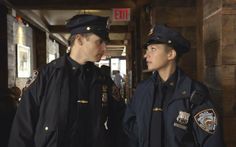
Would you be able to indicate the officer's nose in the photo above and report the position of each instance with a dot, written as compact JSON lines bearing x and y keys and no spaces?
{"x":146,"y":54}
{"x":103,"y":46}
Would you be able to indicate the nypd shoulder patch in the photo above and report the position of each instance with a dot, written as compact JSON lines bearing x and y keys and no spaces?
{"x":206,"y":120}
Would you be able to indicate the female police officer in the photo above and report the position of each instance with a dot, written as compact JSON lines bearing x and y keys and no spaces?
{"x":170,"y":109}
{"x":70,"y":100}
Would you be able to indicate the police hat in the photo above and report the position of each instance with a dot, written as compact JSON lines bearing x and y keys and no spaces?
{"x":162,"y":34}
{"x":85,"y":23}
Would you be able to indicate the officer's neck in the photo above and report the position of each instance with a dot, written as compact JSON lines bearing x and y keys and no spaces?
{"x":77,"y":56}
{"x":167,"y":71}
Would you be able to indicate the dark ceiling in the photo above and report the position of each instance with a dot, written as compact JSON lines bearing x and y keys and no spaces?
{"x":51,"y":15}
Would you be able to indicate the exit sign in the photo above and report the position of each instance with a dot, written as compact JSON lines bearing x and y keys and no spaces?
{"x":121,"y":14}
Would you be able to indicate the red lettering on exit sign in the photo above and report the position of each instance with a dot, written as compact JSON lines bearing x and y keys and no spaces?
{"x":121,"y":14}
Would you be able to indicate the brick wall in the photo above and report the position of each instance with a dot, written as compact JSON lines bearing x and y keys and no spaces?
{"x":18,"y":33}
{"x":11,"y":51}
{"x":219,"y":59}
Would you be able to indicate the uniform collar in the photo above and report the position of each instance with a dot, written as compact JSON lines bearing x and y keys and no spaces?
{"x":183,"y":85}
{"x":61,"y":62}
{"x":171,"y":81}
{"x":74,"y":65}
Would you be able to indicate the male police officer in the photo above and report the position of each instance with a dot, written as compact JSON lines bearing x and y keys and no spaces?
{"x":170,"y":109}
{"x":71,"y":103}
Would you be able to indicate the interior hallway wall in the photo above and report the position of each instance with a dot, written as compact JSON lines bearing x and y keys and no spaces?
{"x":218,"y":56}
{"x":22,"y":35}
{"x":179,"y":15}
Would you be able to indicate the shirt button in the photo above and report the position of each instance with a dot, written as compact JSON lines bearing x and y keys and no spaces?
{"x":46,"y":128}
{"x":73,"y":68}
{"x":183,"y":92}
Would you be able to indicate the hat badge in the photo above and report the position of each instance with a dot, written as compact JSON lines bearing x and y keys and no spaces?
{"x":88,"y":28}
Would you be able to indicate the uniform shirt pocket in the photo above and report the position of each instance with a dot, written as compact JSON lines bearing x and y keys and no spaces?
{"x":49,"y":135}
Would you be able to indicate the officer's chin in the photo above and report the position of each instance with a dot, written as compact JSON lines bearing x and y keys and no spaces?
{"x":97,"y":60}
{"x":150,"y":68}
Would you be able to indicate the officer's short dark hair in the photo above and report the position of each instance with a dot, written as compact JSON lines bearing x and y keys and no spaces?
{"x":73,"y":37}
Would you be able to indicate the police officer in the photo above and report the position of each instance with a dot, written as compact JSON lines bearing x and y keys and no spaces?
{"x":70,"y":103}
{"x":170,"y":109}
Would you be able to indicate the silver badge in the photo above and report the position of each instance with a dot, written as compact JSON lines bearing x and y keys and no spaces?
{"x":183,"y":118}
{"x":206,"y":120}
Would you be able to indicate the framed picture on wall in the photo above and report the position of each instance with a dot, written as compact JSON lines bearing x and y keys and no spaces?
{"x":23,"y":61}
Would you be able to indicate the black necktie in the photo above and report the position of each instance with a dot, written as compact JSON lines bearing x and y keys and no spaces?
{"x":157,"y":126}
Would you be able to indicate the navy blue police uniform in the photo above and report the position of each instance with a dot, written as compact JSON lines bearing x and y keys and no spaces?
{"x":70,"y":105}
{"x":175,"y":113}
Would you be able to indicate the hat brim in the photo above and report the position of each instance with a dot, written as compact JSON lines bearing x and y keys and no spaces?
{"x":103,"y":35}
{"x":149,"y":42}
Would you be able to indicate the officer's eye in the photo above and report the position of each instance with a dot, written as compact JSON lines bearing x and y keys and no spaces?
{"x":153,"y":49}
{"x":100,"y":41}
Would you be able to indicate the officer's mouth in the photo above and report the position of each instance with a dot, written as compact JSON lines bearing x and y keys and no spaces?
{"x":99,"y":55}
{"x":148,"y":62}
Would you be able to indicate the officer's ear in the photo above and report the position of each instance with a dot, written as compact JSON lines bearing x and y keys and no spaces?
{"x":79,"y":39}
{"x":172,"y":54}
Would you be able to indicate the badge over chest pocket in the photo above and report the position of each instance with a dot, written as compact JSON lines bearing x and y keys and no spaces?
{"x":183,"y":134}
